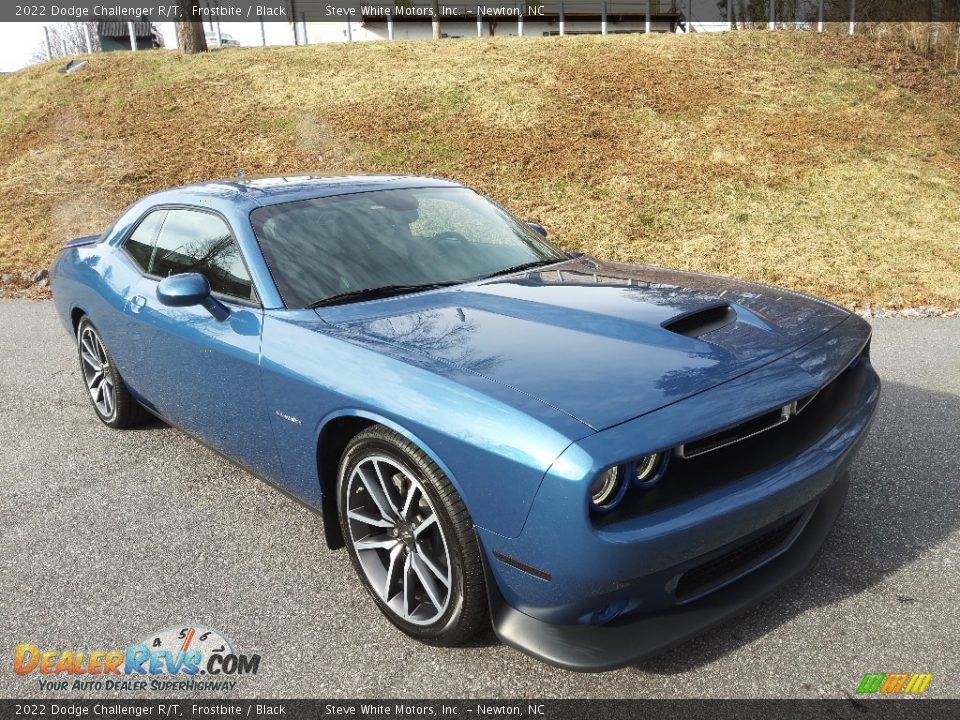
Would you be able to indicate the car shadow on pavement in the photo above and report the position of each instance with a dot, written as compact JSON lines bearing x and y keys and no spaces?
{"x":901,"y":504}
{"x":154,"y":423}
{"x":484,"y":639}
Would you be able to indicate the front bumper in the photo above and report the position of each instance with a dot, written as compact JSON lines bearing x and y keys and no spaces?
{"x":589,"y":597}
{"x":592,"y":648}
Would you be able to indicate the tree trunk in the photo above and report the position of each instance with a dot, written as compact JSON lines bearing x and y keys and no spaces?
{"x":936,"y":9}
{"x":190,"y":35}
{"x":956,"y":46}
{"x":436,"y":19}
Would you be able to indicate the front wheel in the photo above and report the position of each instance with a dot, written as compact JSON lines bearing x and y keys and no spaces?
{"x":411,"y":539}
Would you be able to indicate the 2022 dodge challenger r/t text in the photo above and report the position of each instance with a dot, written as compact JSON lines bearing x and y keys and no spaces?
{"x":600,"y":458}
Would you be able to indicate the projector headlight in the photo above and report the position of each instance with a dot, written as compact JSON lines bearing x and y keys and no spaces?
{"x":648,"y":469}
{"x":607,"y":489}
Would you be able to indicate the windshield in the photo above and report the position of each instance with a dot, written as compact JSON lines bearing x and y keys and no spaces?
{"x":327,"y":247}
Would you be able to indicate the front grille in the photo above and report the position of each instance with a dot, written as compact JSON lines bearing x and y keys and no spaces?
{"x":710,"y":575}
{"x":804,"y":401}
{"x":735,"y":434}
{"x":745,"y":430}
{"x":689,"y":477}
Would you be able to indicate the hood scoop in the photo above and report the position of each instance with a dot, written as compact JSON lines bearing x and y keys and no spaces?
{"x":702,"y":320}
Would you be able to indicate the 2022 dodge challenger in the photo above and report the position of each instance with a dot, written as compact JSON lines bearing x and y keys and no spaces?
{"x":600,"y":458}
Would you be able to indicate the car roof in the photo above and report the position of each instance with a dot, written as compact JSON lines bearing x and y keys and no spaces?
{"x":263,"y":190}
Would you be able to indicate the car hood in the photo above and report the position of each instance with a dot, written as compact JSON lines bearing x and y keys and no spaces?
{"x":601,"y":342}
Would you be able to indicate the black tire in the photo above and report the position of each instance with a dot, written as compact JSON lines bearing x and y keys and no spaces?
{"x":465,"y":612}
{"x":122,"y":411}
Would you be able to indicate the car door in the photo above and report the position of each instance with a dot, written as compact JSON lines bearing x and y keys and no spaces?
{"x":124,"y":274}
{"x":200,"y":373}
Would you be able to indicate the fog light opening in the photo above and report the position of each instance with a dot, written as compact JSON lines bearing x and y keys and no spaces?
{"x":607,"y":614}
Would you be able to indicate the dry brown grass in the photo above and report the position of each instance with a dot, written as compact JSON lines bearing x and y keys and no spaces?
{"x":826,"y":164}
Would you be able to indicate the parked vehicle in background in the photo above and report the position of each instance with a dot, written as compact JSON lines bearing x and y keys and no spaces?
{"x":226,"y":40}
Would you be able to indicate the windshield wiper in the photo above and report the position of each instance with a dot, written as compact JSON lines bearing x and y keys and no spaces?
{"x":519,"y":268}
{"x":375,"y":293}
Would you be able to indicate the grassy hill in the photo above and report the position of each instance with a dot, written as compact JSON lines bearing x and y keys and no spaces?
{"x":826,"y":164}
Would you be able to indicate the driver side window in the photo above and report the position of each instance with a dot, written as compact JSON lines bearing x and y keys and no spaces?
{"x":170,"y":242}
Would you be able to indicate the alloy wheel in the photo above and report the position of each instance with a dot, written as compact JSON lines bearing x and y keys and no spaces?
{"x":96,"y":365}
{"x":399,"y":540}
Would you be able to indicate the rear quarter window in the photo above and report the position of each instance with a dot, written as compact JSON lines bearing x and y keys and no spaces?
{"x":139,"y":245}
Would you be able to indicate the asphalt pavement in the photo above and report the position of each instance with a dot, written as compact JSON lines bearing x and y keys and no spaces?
{"x":107,"y":536}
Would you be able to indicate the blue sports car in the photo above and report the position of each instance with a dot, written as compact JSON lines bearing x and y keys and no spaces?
{"x":600,"y":459}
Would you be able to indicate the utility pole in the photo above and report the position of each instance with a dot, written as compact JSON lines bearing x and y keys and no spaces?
{"x":133,"y":36}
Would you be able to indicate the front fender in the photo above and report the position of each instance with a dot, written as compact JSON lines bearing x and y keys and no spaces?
{"x":494,"y":447}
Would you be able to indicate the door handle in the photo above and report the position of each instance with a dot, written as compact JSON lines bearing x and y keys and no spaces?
{"x":137,"y":302}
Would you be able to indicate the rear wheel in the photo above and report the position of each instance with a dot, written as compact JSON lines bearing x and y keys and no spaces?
{"x":411,"y":539}
{"x":109,"y":396}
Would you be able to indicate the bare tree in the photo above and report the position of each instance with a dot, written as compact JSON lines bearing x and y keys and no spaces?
{"x":69,"y":38}
{"x":190,"y":35}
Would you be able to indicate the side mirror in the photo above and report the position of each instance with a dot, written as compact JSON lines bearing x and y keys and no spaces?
{"x":537,"y":228}
{"x":188,"y":289}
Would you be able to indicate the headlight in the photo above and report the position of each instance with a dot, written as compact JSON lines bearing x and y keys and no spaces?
{"x":608,"y":489}
{"x":648,"y":469}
